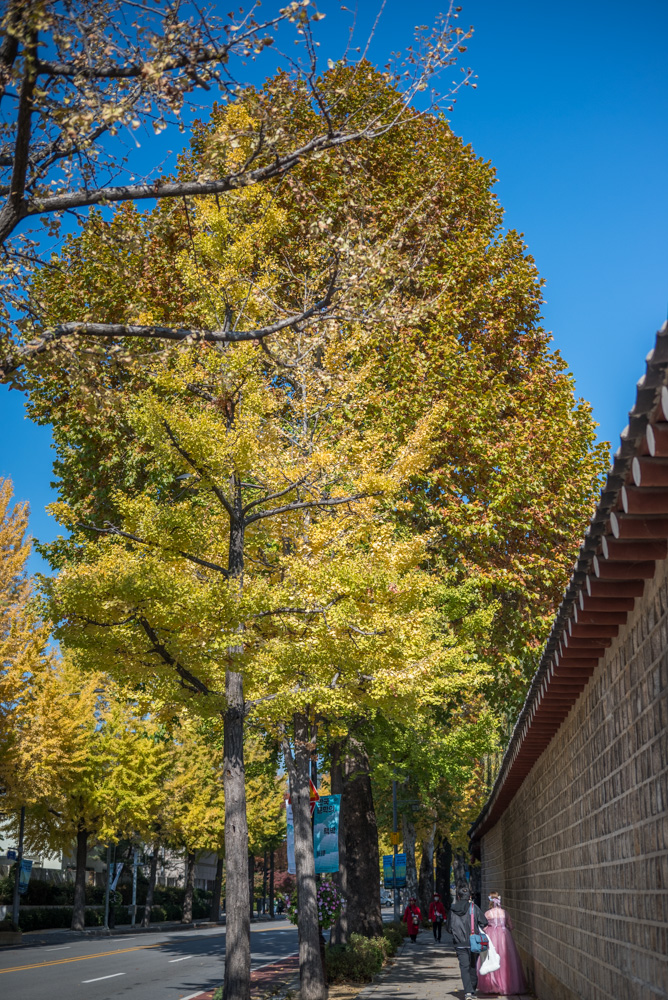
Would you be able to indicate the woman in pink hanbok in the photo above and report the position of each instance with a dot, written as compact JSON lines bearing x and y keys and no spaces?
{"x":509,"y":978}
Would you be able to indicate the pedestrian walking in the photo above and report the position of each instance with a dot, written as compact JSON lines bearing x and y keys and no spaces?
{"x":465,"y":919}
{"x":412,"y":918}
{"x":437,"y":915}
{"x":509,"y":977}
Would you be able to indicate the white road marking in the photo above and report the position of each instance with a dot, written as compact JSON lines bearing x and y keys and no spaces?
{"x":62,"y":947}
{"x":255,"y":968}
{"x":100,"y":978}
{"x":172,"y":960}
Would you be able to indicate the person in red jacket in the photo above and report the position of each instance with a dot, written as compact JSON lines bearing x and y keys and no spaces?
{"x":437,"y":916}
{"x":413,"y":918}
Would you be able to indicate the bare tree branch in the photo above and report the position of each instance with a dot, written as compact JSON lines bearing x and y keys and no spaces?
{"x":192,"y":682}
{"x":309,"y":503}
{"x":25,"y":352}
{"x":111,"y":529}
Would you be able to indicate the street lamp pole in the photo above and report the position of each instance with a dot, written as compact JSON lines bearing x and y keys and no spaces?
{"x":107,"y":888}
{"x":394,"y":849}
{"x":17,"y":873}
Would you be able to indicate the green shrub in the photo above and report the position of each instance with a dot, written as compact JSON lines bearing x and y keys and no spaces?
{"x":394,"y":934}
{"x":43,"y":919}
{"x":358,"y":961}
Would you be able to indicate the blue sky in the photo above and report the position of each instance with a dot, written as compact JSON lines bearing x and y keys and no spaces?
{"x":572,"y":109}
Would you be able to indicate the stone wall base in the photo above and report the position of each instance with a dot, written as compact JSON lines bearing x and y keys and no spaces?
{"x":541,"y":982}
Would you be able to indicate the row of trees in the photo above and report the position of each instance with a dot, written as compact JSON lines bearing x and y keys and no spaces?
{"x":91,"y":763}
{"x":338,"y":515}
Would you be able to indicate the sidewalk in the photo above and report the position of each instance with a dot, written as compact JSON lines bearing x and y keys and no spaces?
{"x":422,"y":971}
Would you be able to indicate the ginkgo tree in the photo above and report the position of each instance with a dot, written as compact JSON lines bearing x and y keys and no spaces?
{"x":279,"y":513}
{"x":85,"y":765}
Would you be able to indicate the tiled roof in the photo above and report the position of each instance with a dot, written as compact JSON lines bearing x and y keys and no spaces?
{"x":627,"y":535}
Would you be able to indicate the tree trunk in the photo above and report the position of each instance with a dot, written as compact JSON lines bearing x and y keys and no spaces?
{"x":264,"y":885}
{"x":408,"y":828}
{"x":187,"y":917}
{"x":217,"y":891}
{"x":361,"y":844}
{"x":237,"y":926}
{"x":426,"y":880}
{"x":79,"y":908}
{"x":443,"y":865}
{"x":460,"y":868}
{"x":251,"y":883}
{"x":339,"y":932}
{"x":152,"y":877}
{"x":475,"y":884}
{"x":311,"y":978}
{"x":271,"y":885}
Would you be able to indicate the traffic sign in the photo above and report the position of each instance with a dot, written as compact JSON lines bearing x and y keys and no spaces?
{"x":11,"y":854}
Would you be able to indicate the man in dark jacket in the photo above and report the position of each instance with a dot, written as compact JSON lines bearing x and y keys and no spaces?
{"x":459,"y":925}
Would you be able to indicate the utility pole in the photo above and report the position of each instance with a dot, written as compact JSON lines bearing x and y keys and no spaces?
{"x":394,"y":849}
{"x":107,"y":888}
{"x":17,"y":874}
{"x":135,"y":859}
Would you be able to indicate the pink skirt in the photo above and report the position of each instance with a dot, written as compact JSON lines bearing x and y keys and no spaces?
{"x":509,"y":978}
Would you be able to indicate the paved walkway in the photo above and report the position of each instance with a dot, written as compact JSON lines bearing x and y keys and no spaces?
{"x":422,"y":971}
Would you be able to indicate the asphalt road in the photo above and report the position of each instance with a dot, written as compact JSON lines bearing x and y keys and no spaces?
{"x":171,"y":965}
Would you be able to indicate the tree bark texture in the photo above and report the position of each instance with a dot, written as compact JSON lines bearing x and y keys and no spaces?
{"x":311,"y":978}
{"x":217,"y":890}
{"x":152,"y":877}
{"x":271,"y":885}
{"x":426,"y":879}
{"x":443,"y":866}
{"x":237,"y":926}
{"x":460,"y":868}
{"x":251,"y":883}
{"x":187,"y":916}
{"x":79,"y":907}
{"x":339,"y":932}
{"x":408,"y":829}
{"x":361,"y":844}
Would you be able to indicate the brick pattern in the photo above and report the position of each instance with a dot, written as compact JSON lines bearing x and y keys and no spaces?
{"x":581,"y":853}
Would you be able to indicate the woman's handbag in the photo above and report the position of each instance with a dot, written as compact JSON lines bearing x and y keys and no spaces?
{"x":491,"y":962}
{"x":478,"y":942}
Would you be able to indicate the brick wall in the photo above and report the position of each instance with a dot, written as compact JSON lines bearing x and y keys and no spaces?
{"x":581,"y":853}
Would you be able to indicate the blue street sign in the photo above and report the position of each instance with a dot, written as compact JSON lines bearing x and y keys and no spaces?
{"x":400,"y":870}
{"x":11,"y":854}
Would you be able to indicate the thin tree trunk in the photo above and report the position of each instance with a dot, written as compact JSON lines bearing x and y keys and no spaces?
{"x":271,"y":885}
{"x":311,"y":977}
{"x":251,"y":884}
{"x":187,"y":917}
{"x":408,"y":828}
{"x":426,"y":880}
{"x":361,"y":844}
{"x":264,"y":885}
{"x":237,"y":923}
{"x":460,"y":868}
{"x":79,"y":908}
{"x":339,"y":932}
{"x":217,"y":890}
{"x":152,"y":877}
{"x":443,"y":865}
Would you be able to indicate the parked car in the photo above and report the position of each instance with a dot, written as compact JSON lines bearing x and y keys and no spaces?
{"x":386,"y":897}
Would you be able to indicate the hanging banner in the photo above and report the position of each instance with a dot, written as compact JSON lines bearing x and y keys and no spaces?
{"x":119,"y":869}
{"x":24,"y":875}
{"x":400,"y":870}
{"x":291,"y":840}
{"x":326,"y":834}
